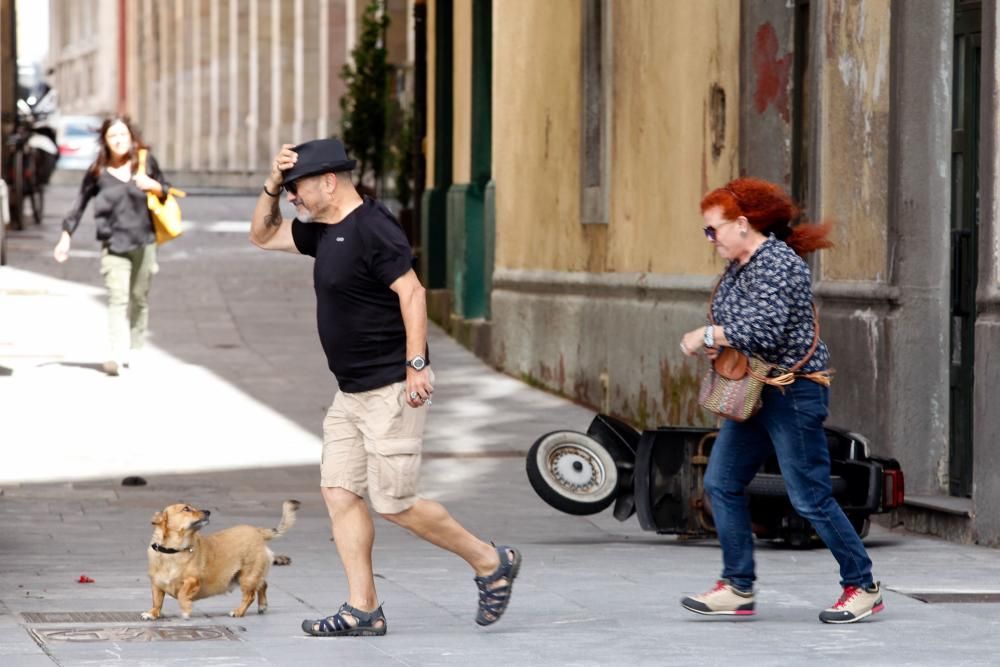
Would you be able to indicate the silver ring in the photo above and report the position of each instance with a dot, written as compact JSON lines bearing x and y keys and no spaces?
{"x":413,"y":395}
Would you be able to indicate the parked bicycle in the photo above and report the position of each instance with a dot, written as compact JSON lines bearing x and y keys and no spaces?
{"x":31,"y":158}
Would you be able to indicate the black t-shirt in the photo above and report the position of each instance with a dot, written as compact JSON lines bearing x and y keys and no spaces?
{"x":360,"y":323}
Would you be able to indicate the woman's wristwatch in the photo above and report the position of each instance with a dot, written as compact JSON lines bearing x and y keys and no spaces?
{"x":709,"y":338}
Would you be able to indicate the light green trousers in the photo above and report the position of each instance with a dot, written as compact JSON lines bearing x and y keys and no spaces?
{"x":128,"y":277}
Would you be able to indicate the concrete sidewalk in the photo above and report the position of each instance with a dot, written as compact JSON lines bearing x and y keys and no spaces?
{"x":235,"y":358}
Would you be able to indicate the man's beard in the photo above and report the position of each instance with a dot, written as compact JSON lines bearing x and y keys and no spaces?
{"x":303,"y":214}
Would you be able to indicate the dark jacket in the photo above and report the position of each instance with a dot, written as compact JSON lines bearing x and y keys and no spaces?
{"x":120,"y":210}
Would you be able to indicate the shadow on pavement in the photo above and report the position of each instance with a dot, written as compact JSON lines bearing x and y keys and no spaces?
{"x":248,"y":317}
{"x":88,"y":365}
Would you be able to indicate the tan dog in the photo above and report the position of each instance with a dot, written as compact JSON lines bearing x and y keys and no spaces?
{"x":188,"y":567}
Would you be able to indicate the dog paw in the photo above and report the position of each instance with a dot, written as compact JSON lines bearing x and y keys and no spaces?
{"x":185,"y":615}
{"x":282,"y":559}
{"x":261,"y":610}
{"x":147,"y":616}
{"x":235,"y":613}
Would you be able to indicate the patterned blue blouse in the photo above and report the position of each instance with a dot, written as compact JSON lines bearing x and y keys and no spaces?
{"x":765,"y":306}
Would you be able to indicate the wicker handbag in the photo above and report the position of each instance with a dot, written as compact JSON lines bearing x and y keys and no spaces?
{"x":732,"y":386}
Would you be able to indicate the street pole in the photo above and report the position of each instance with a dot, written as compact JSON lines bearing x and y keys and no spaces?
{"x":8,"y":106}
{"x":8,"y":75}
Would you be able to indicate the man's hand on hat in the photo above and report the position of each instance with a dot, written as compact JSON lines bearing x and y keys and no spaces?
{"x":283,"y":161}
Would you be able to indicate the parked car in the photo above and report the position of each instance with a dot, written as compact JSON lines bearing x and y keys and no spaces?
{"x":78,"y":141}
{"x":659,"y":474}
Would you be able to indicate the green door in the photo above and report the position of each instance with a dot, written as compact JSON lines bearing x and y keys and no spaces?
{"x":964,"y":239}
{"x":477,"y":265}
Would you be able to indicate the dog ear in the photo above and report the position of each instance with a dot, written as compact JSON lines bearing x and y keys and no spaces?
{"x":159,"y":519}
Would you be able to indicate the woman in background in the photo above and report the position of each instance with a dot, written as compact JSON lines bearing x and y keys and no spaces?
{"x":125,"y":230}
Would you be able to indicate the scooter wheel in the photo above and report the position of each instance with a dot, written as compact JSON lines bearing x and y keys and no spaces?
{"x":572,"y":472}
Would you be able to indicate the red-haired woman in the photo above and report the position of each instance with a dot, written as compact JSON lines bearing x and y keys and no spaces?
{"x":763,"y":308}
{"x":125,"y":230}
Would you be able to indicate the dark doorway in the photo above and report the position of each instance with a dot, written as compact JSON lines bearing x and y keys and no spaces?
{"x":964,"y":238}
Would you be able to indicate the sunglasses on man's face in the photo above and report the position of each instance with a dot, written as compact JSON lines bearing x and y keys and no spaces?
{"x":293,"y":187}
{"x":711,"y":233}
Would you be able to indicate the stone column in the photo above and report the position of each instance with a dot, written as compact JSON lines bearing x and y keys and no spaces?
{"x":986,"y":420}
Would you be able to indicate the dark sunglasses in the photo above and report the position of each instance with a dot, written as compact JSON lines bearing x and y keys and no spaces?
{"x":711,"y":233}
{"x":293,"y":187}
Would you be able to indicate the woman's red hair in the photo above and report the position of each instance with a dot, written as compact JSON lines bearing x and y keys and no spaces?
{"x":771,"y":211}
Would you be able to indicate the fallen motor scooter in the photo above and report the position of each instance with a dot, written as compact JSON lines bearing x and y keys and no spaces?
{"x":659,"y":474}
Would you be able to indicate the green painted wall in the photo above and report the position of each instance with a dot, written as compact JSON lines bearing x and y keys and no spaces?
{"x":434,"y":207}
{"x":489,"y":242}
{"x":474,"y":297}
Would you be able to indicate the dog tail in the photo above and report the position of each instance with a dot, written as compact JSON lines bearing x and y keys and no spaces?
{"x":288,"y":510}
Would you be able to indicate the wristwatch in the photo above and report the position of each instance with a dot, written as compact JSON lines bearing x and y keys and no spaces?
{"x":709,"y":339}
{"x":417,"y":363}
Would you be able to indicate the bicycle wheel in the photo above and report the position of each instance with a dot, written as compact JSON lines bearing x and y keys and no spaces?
{"x":17,"y":192}
{"x":38,"y":203}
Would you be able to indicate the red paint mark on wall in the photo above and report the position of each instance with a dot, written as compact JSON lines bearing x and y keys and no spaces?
{"x":772,"y":72}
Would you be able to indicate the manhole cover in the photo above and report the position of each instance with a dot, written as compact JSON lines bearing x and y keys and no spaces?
{"x":132,"y":633}
{"x":81,"y":617}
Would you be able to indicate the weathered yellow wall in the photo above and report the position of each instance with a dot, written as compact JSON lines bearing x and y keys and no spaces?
{"x":536,"y":128}
{"x":667,"y":56}
{"x":854,"y":137}
{"x":462,"y":92}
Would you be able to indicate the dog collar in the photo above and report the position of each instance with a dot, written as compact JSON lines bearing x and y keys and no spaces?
{"x":167,"y":550}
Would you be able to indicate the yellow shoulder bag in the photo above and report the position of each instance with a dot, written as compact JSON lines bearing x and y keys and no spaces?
{"x":166,"y":214}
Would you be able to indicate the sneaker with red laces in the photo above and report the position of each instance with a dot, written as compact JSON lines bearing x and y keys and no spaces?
{"x":724,"y":599}
{"x":854,"y":604}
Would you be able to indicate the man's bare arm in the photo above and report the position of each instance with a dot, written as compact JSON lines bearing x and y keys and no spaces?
{"x":268,"y":230}
{"x":413,"y":307}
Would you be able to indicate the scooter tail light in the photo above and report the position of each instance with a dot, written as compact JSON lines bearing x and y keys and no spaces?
{"x":893,"y":489}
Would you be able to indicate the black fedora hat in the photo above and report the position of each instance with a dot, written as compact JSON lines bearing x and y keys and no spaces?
{"x":319,"y":156}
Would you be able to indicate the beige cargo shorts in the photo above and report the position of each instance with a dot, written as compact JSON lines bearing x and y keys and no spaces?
{"x":372,"y":442}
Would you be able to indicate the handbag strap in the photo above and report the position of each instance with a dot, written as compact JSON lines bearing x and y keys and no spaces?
{"x":142,"y":169}
{"x":812,"y":348}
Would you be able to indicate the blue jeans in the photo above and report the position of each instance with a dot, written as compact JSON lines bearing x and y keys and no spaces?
{"x":790,"y":425}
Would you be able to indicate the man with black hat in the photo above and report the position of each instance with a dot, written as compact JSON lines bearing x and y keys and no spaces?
{"x":372,"y":317}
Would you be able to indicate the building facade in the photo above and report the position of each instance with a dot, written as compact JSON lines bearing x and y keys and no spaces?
{"x":85,"y":57}
{"x":568,"y":252}
{"x":216,"y":85}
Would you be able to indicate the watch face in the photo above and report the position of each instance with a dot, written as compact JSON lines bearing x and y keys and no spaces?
{"x":417,"y":363}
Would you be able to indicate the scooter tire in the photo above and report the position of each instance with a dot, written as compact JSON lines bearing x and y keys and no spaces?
{"x":572,"y":472}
